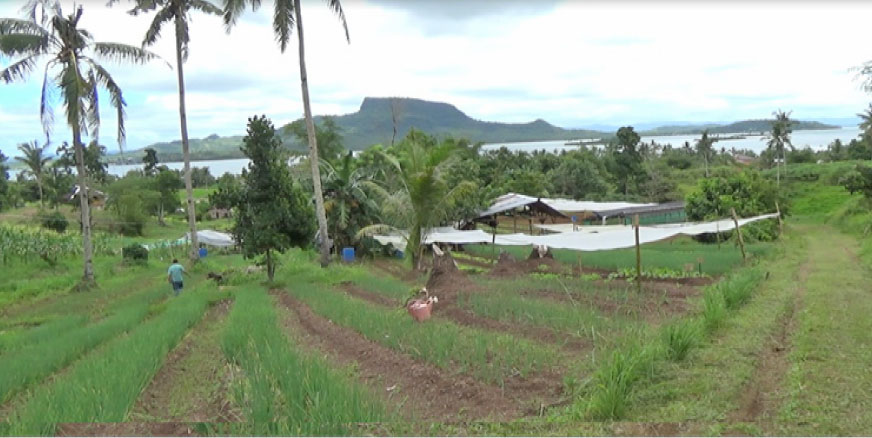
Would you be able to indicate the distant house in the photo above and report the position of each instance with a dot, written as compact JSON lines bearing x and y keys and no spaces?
{"x":96,"y":198}
{"x":219,"y":213}
{"x":744,"y":159}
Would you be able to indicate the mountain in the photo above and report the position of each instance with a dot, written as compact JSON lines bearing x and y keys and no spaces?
{"x":373,"y":124}
{"x":741,"y":127}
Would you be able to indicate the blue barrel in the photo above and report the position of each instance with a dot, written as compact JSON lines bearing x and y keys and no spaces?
{"x":399,"y":254}
{"x":348,"y":254}
{"x":203,"y":252}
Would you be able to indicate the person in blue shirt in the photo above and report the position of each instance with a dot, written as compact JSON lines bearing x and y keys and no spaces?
{"x":174,"y":276}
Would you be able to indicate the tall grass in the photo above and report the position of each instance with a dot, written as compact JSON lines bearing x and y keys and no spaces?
{"x":489,"y":356}
{"x":287,"y":393}
{"x":679,"y":338}
{"x":714,"y":309}
{"x":103,"y":387}
{"x":60,"y":344}
{"x":615,"y":380}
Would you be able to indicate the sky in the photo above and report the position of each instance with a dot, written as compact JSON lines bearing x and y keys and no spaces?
{"x":571,"y":63}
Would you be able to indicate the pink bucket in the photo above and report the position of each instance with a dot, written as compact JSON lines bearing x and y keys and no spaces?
{"x":420,"y":309}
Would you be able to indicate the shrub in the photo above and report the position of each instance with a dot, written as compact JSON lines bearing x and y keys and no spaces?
{"x":135,"y":253}
{"x":54,"y":221}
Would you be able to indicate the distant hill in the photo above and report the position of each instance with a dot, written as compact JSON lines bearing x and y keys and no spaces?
{"x":742,"y":127}
{"x":373,"y":124}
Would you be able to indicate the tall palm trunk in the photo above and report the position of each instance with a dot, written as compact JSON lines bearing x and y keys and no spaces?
{"x":313,"y":144}
{"x":183,"y":118}
{"x":39,"y":185}
{"x":87,"y":249}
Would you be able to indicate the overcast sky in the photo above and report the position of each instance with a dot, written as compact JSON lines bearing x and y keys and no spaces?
{"x":572,"y":63}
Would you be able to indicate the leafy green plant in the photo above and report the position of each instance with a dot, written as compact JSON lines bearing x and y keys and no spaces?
{"x":714,"y":309}
{"x":135,"y":253}
{"x":614,"y":382}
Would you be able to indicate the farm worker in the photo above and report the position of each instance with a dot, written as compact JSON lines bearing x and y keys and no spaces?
{"x":174,"y":276}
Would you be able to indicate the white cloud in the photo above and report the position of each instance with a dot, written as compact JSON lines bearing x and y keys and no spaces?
{"x":571,"y":63}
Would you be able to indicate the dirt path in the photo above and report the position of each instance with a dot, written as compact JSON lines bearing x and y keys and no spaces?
{"x":762,"y":395}
{"x":194,"y":383}
{"x":421,"y":390}
{"x":828,"y":389}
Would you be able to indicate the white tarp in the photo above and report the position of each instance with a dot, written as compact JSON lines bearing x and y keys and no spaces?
{"x":572,"y":206}
{"x":566,"y":228}
{"x":614,"y":238}
{"x":511,"y":201}
{"x":213,"y":238}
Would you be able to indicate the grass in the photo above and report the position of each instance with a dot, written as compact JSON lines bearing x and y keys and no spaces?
{"x":675,"y":254}
{"x":286,"y":392}
{"x":103,"y":387}
{"x":679,"y":338}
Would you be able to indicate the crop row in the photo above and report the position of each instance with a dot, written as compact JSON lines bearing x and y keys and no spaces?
{"x":489,"y":356}
{"x":102,"y":387}
{"x":286,"y":392}
{"x":58,"y":344}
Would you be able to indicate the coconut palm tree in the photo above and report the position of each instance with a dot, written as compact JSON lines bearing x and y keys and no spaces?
{"x":704,"y":148}
{"x":423,"y":199}
{"x":73,"y":70}
{"x":32,"y":156}
{"x":288,"y":16}
{"x":778,"y":139}
{"x":178,"y":12}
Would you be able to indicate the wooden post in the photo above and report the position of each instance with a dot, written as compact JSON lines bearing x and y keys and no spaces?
{"x":514,"y":222}
{"x":494,"y":245}
{"x":530,"y":219}
{"x":739,"y":232}
{"x":780,"y":223}
{"x":638,"y":256}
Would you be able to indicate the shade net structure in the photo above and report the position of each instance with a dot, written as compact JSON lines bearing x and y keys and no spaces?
{"x":611,"y":238}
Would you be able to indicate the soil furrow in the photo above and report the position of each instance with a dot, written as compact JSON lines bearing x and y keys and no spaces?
{"x":419,"y":389}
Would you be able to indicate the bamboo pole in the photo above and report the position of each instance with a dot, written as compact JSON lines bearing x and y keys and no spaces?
{"x":780,"y":223}
{"x":494,"y":245}
{"x":638,"y":255}
{"x":739,"y":232}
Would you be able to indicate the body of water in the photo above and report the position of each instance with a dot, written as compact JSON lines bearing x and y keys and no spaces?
{"x":816,"y":139}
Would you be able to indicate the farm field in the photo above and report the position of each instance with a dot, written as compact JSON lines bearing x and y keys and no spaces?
{"x":543,"y":346}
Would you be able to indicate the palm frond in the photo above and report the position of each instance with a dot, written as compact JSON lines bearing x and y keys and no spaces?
{"x":163,"y":16}
{"x":19,"y":70}
{"x":46,"y":113}
{"x":284,"y":22}
{"x":92,"y":109}
{"x":10,"y":26}
{"x":116,"y":97}
{"x":21,"y":44}
{"x":73,"y":91}
{"x":204,"y":6}
{"x":45,"y":8}
{"x":336,"y":7}
{"x":123,"y":53}
{"x":372,"y":230}
{"x":233,"y":9}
